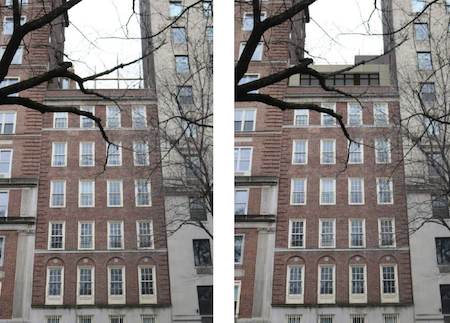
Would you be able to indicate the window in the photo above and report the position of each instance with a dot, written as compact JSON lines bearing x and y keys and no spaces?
{"x":85,"y":287}
{"x":327,"y":318}
{"x":427,"y":92}
{"x":146,"y":318}
{"x":237,"y":296}
{"x":207,"y":8}
{"x":115,"y":235}
{"x":439,"y":206}
{"x":382,"y":151}
{"x":7,"y":81}
{"x":139,"y":117}
{"x":2,"y":251}
{"x":354,"y":115}
{"x":8,"y":25}
{"x":387,"y":232}
{"x":85,"y":121}
{"x":58,"y":194}
{"x":355,"y":191}
{"x":293,"y":318}
{"x":114,"y":154}
{"x":244,"y":120}
{"x":55,"y":286}
{"x":116,"y":286}
{"x":87,"y":154}
{"x":381,"y":114}
{"x":144,"y":234}
{"x":176,"y":8}
{"x":257,"y":54}
{"x":7,"y":122}
{"x":209,"y":34}
{"x":85,"y":319}
{"x":300,"y":152}
{"x":357,"y":233}
{"x":384,"y":191}
{"x":247,"y":78}
{"x":113,"y":117}
{"x":87,"y":196}
{"x":117,"y":319}
{"x":298,"y":195}
{"x":190,"y":130}
{"x":193,"y":166}
{"x":240,"y":202}
{"x":182,"y":64}
{"x":327,"y":149}
{"x":424,"y":61}
{"x":115,"y":193}
{"x":56,"y":239}
{"x":421,"y":31}
{"x":197,"y":209}
{"x":86,"y":238}
{"x":53,"y":319}
{"x":435,"y":166}
{"x":59,"y":154}
{"x":140,"y":152}
{"x":142,"y":191}
{"x":294,"y":284}
{"x":202,"y":253}
{"x":327,"y":191}
{"x":5,"y":161}
{"x":327,"y":237}
{"x":358,"y":285}
{"x":243,"y":159}
{"x":432,"y":126}
{"x":60,"y":120}
{"x":238,"y":249}
{"x":179,"y":35}
{"x":328,"y":120}
{"x":17,"y":58}
{"x":390,"y":318}
{"x":4,"y":198}
{"x":22,"y":2}
{"x":417,"y":6}
{"x":443,"y":251}
{"x":445,"y":298}
{"x":356,"y":152}
{"x":301,"y":117}
{"x":389,"y":285}
{"x":205,"y":300}
{"x":358,"y":318}
{"x":185,"y":95}
{"x":248,"y":20}
{"x":297,"y":233}
{"x":326,"y":284}
{"x":147,"y":284}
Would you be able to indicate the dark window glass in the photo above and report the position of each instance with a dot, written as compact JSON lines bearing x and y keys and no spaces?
{"x":443,"y":251}
{"x":205,"y":300}
{"x":440,"y":206}
{"x":427,"y":92}
{"x":202,"y":253}
{"x":197,"y":209}
{"x":445,"y":298}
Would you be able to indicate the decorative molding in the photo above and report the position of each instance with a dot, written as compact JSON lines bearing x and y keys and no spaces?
{"x":265,"y":200}
{"x":25,"y":203}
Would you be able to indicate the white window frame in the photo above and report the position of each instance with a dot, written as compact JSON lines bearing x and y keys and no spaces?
{"x":350,"y":191}
{"x":147,"y":155}
{"x":263,"y":17}
{"x":350,"y":233}
{"x":144,"y":117}
{"x":321,"y":191}
{"x":320,"y":233}
{"x":394,"y":236}
{"x":244,"y":113}
{"x":291,"y":221}
{"x":391,"y":189}
{"x":305,"y":180}
{"x":3,"y":118}
{"x":81,"y":153}
{"x":304,"y":112}
{"x":79,"y":235}
{"x":237,"y":283}
{"x":21,"y":2}
{"x":51,"y":299}
{"x":151,"y":234}
{"x":295,"y":299}
{"x":326,"y":298}
{"x":121,"y":192}
{"x":18,"y":55}
{"x":244,"y":172}
{"x":294,"y":152}
{"x":377,"y":151}
{"x":149,"y":189}
{"x":7,"y":81}
{"x":330,"y":106}
{"x":242,"y":248}
{"x":118,"y":144}
{"x":66,"y":117}
{"x":51,"y":194}
{"x":389,"y":297}
{"x":386,"y":113}
{"x":6,"y":205}
{"x":86,"y":109}
{"x":147,"y":299}
{"x":117,"y":299}
{"x":255,"y":58}
{"x":248,"y":75}
{"x":86,"y":299}
{"x":391,"y":315}
{"x":359,"y":142}
{"x":22,"y":18}
{"x":53,"y":154}
{"x":360,"y":114}
{"x":321,"y":151}
{"x":357,"y":298}
{"x":248,"y":196}
{"x":63,"y":235}
{"x":118,"y":117}
{"x":122,"y":240}
{"x":7,"y":175}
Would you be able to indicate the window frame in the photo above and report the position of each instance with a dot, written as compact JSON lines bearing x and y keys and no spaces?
{"x":295,"y":298}
{"x":239,"y":149}
{"x":358,"y":316}
{"x":53,"y":317}
{"x":79,"y":235}
{"x":149,"y":192}
{"x":246,"y":204}
{"x":2,"y":252}
{"x":79,"y":317}
{"x":144,"y":117}
{"x":416,"y":29}
{"x":108,"y":109}
{"x":243,"y":120}
{"x":146,"y":152}
{"x":7,"y":202}
{"x":117,"y":144}
{"x":254,"y":58}
{"x":375,"y":114}
{"x":80,"y":205}
{"x":263,"y":16}
{"x":150,"y":222}
{"x":147,"y":299}
{"x":63,"y":236}
{"x":416,"y":2}
{"x":8,"y":174}
{"x":360,"y":143}
{"x":377,"y":151}
{"x":321,"y":191}
{"x":350,"y":233}
{"x":360,"y":114}
{"x":394,"y":236}
{"x":389,"y":297}
{"x":85,"y":299}
{"x":122,"y":238}
{"x":237,"y":283}
{"x":326,"y":298}
{"x":391,"y":315}
{"x":296,"y":114}
{"x":322,"y":141}
{"x":17,"y":56}
{"x":391,"y":190}
{"x":108,"y":181}
{"x":52,"y":299}
{"x":424,"y":61}
{"x":294,"y":152}
{"x":303,"y":234}
{"x":305,"y":180}
{"x":321,"y":221}
{"x":176,"y":5}
{"x":324,"y":116}
{"x":24,"y":18}
{"x":173,"y":35}
{"x":149,"y":316}
{"x":66,"y":118}
{"x":257,"y":76}
{"x":82,"y":118}
{"x":197,"y":256}
{"x":51,"y":193}
{"x":80,"y":162}
{"x":241,"y":262}
{"x":3,"y":117}
{"x":179,"y":66}
{"x":350,"y":191}
{"x":361,"y":297}
{"x":325,"y":316}
{"x":114,"y":299}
